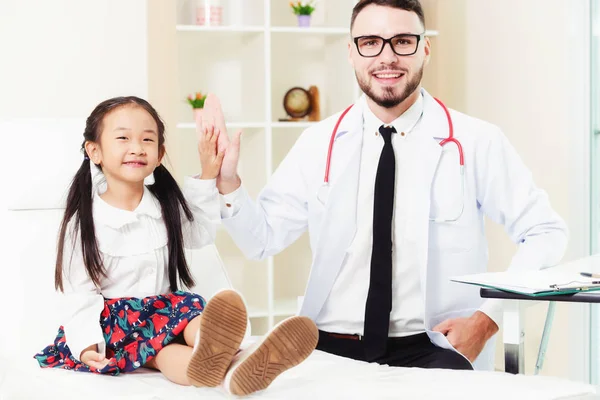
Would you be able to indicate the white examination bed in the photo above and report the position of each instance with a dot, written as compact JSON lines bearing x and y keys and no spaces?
{"x":321,"y":376}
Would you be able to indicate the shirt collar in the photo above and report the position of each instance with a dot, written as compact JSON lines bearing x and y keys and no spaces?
{"x":114,"y":217}
{"x":404,"y":123}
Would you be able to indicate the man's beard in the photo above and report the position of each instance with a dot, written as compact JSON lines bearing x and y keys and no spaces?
{"x":389,"y":99}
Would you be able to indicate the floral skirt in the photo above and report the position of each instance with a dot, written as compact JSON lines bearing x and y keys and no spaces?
{"x":135,"y":330}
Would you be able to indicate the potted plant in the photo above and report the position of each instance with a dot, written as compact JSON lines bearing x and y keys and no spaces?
{"x":196,"y":101}
{"x":303,"y":9}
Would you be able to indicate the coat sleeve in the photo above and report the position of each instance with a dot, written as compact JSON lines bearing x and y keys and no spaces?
{"x":507,"y":195}
{"x":81,"y":303}
{"x":203,"y":198}
{"x":280,"y":214}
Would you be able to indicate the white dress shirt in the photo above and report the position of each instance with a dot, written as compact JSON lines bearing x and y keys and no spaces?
{"x":133,"y":247}
{"x":344,"y":309}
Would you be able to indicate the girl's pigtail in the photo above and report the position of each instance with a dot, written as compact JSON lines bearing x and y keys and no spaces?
{"x":79,"y":207}
{"x":172,"y":202}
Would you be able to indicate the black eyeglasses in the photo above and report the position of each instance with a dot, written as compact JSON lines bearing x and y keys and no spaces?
{"x":405,"y":44}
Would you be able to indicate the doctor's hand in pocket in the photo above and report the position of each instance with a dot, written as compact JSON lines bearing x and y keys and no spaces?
{"x":211,"y":116}
{"x":468,"y":335}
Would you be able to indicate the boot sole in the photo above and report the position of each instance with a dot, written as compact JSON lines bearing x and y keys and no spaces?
{"x":222,"y":329}
{"x":286,"y":346}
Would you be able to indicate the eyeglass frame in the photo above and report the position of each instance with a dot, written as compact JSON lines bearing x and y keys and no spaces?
{"x":419,"y":37}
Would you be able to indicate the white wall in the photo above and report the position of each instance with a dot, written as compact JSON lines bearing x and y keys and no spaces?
{"x":524,"y":65}
{"x":62,"y":57}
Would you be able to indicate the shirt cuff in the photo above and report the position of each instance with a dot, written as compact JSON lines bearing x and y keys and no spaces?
{"x":230,"y":203}
{"x":202,"y":187}
{"x":493,"y":308}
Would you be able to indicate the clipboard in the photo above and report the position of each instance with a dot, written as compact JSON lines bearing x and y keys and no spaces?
{"x":552,"y":290}
{"x":532,"y":283}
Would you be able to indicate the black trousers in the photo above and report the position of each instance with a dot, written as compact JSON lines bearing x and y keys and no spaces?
{"x":409,"y":351}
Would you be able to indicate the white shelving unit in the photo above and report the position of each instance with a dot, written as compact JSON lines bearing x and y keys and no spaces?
{"x":250,"y":61}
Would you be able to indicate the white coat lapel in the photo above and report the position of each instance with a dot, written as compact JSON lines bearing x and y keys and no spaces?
{"x":339,"y":217}
{"x":339,"y":221}
{"x":424,"y":159}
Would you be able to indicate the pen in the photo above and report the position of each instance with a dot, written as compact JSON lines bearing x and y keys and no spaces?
{"x":590,"y":275}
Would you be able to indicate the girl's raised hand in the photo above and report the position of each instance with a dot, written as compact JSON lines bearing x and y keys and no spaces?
{"x":210,"y":157}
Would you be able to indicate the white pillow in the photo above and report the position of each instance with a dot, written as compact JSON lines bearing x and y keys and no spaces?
{"x":27,"y":282}
{"x":43,"y":155}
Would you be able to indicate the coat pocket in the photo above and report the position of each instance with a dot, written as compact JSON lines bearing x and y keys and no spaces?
{"x":452,"y":237}
{"x":441,"y":317}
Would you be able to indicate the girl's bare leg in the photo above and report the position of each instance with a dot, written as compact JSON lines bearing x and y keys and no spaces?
{"x":190,"y":331}
{"x":172,"y":361}
{"x":224,"y":327}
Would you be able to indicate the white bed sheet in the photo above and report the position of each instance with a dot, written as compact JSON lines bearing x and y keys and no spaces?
{"x":321,"y":376}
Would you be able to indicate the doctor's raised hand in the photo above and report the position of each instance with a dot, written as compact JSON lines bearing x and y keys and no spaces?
{"x":209,"y":118}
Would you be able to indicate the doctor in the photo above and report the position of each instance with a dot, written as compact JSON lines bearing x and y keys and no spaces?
{"x":391,"y":211}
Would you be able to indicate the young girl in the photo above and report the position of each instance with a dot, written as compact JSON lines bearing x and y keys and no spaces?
{"x":121,"y":262}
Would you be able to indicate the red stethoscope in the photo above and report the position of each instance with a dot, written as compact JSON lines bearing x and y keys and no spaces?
{"x":449,"y":139}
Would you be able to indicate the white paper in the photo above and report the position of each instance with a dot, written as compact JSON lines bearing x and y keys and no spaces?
{"x":531,"y":282}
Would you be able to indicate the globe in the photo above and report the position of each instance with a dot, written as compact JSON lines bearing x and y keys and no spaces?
{"x":297,"y":102}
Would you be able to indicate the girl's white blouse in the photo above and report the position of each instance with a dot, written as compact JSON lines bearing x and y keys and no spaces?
{"x":133,"y":247}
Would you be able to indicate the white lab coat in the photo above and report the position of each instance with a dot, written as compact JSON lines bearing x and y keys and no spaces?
{"x":497,"y":184}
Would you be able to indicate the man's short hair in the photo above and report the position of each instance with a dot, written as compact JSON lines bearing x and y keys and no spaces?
{"x":408,"y":5}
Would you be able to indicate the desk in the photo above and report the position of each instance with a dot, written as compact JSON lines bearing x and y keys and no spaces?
{"x":513,"y":333}
{"x":589,"y":297}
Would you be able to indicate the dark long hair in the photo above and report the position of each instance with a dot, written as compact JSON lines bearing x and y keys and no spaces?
{"x":79,"y":205}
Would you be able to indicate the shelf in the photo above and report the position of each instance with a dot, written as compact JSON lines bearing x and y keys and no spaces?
{"x":292,"y":124}
{"x":253,"y":125}
{"x":239,"y":125}
{"x":326,"y":30}
{"x":285,"y":307}
{"x":224,"y":29}
{"x":323,"y":30}
{"x":256,"y":312}
{"x":311,"y":30}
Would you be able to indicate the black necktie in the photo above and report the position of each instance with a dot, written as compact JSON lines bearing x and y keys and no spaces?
{"x":379,"y":299}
